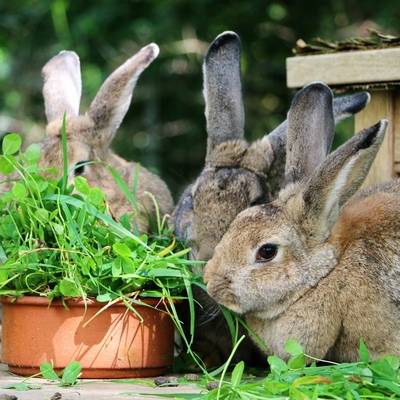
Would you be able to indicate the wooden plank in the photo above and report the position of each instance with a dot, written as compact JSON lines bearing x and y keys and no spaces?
{"x":355,"y":67}
{"x":90,"y":389}
{"x":381,"y":106}
{"x":396,"y":126}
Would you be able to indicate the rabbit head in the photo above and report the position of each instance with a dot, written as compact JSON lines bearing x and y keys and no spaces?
{"x":89,"y":135}
{"x":237,"y":174}
{"x":273,"y":254}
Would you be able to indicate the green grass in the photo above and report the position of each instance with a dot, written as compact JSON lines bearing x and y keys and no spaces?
{"x":295,"y":379}
{"x":59,"y":240}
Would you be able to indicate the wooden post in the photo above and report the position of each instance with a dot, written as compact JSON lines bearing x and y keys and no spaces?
{"x":382,"y":105}
{"x":369,"y":68}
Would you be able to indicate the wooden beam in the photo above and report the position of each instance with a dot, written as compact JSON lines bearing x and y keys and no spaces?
{"x":396,"y":127}
{"x":354,"y":67}
{"x":382,"y":105}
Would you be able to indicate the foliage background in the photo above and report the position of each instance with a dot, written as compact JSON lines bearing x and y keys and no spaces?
{"x":165,"y":127}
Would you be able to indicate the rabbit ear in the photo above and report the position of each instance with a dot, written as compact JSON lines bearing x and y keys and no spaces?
{"x":223,"y":90}
{"x":310,"y":131}
{"x":339,"y":177}
{"x":62,"y":85}
{"x":343,"y":107}
{"x":272,"y":147}
{"x":114,"y":97}
{"x":346,"y":106}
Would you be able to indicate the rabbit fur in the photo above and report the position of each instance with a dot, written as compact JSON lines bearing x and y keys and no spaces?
{"x":236,"y":175}
{"x":318,"y":264}
{"x":90,"y":135}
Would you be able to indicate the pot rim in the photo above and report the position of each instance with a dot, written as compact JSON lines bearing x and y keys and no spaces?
{"x":75,"y":301}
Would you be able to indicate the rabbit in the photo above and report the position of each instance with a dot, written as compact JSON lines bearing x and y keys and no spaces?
{"x":90,"y":135}
{"x":236,"y":176}
{"x":321,"y":263}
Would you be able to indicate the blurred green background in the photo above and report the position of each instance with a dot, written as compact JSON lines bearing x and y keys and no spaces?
{"x":165,"y":128}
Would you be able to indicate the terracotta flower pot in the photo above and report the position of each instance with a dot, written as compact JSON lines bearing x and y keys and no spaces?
{"x":115,"y":344}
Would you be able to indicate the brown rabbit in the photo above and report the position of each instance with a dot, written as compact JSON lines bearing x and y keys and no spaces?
{"x":318,"y":265}
{"x":90,"y":135}
{"x":236,"y":176}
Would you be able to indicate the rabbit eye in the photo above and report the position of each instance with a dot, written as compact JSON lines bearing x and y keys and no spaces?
{"x":266,"y":252}
{"x":79,"y":168}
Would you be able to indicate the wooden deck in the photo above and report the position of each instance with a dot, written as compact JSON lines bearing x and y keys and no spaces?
{"x":87,"y":389}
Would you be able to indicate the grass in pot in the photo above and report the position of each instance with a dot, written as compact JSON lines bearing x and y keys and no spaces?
{"x":78,"y":285}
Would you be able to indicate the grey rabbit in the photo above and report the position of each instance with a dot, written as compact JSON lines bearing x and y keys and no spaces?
{"x":236,"y":175}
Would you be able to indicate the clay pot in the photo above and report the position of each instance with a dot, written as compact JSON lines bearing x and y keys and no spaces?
{"x":115,"y":344}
